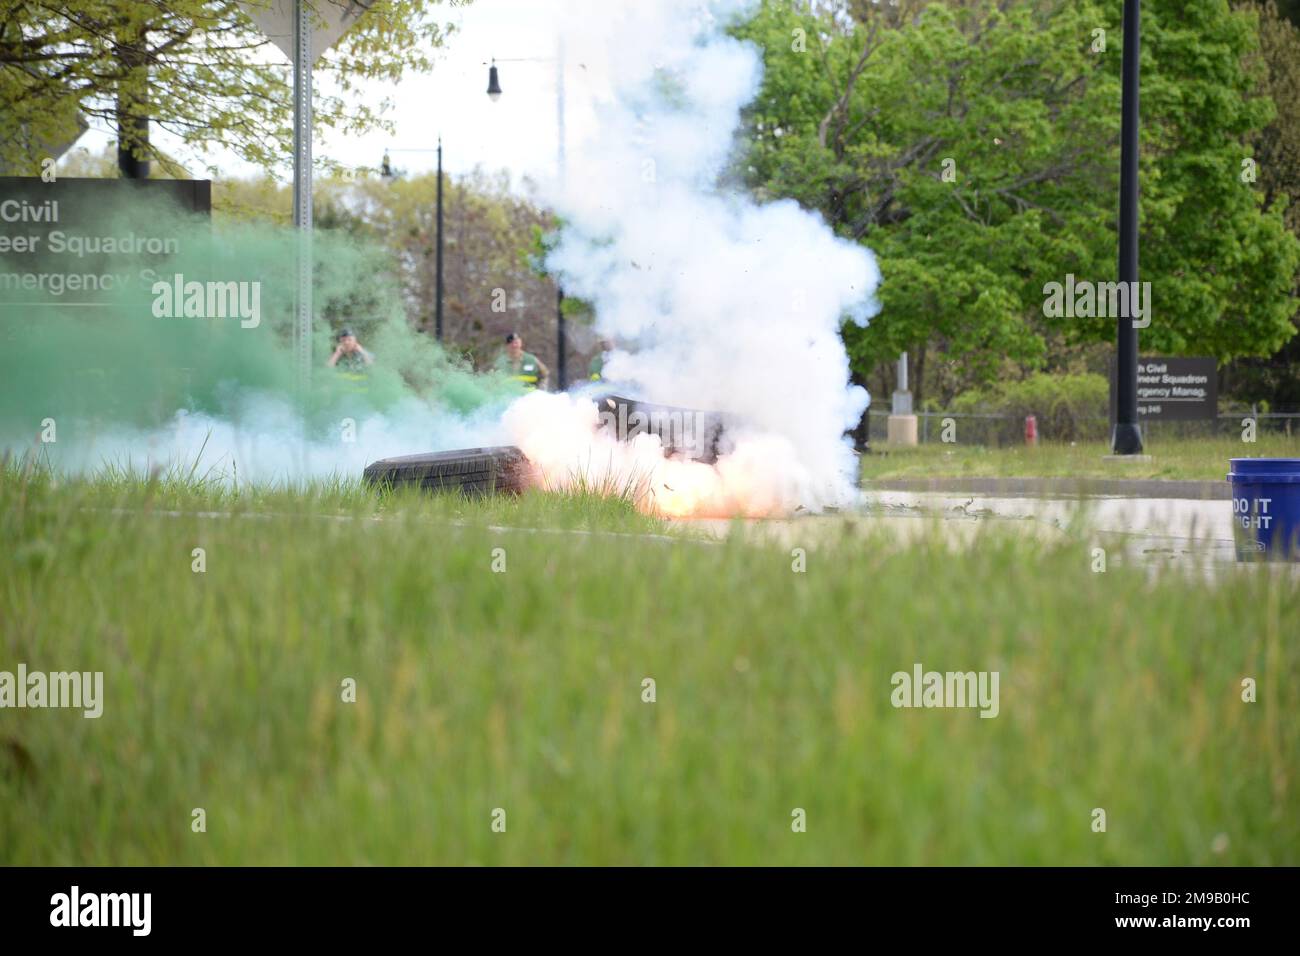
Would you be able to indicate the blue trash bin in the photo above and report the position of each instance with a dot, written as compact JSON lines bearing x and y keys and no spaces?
{"x":1266,"y":508}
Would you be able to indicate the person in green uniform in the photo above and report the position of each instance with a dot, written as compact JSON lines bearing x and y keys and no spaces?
{"x":596,"y":370}
{"x":351,"y":359}
{"x":523,"y":367}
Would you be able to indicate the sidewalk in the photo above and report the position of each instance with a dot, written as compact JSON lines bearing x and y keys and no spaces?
{"x":1059,"y":487}
{"x":1186,"y":518}
{"x":1140,"y":532}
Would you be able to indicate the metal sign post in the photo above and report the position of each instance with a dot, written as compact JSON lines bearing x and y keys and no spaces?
{"x":303,"y":30}
{"x":302,"y":191}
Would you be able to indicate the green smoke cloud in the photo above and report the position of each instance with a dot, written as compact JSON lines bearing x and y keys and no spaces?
{"x":93,"y":336}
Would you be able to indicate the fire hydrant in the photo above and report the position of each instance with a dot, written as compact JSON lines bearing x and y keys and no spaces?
{"x":1031,"y":430}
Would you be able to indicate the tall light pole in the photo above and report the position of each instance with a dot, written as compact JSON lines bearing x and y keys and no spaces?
{"x":1126,"y":437}
{"x":437,"y":307}
{"x":561,"y":330}
{"x":387,"y":172}
{"x":494,"y":93}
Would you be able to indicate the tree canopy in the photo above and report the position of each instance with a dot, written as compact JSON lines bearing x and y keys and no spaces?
{"x":974,"y":147}
{"x":198,"y":69}
{"x":492,"y":280}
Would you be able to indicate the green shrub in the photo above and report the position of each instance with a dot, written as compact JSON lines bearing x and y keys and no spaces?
{"x":1068,"y":407}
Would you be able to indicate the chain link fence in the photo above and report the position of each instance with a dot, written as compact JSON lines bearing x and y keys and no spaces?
{"x":997,"y":430}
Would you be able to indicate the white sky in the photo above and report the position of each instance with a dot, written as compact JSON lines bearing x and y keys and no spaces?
{"x":518,"y":132}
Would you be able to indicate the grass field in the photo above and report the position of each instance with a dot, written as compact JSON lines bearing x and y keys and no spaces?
{"x":1182,"y":458}
{"x":523,"y":690}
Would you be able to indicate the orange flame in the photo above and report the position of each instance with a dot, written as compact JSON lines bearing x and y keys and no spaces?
{"x":559,"y":435}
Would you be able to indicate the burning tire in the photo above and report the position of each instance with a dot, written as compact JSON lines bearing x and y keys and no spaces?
{"x":471,"y":471}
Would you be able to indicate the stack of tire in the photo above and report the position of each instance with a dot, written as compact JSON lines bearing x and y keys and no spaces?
{"x":471,"y":471}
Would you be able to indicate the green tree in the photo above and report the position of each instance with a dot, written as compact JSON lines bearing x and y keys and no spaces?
{"x":1276,"y":379}
{"x":974,"y":147}
{"x":198,"y":69}
{"x":1290,"y":9}
{"x":492,"y":283}
{"x":1221,"y":264}
{"x":1277,"y":145}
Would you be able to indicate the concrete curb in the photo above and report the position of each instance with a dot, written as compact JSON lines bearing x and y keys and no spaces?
{"x":1059,"y":487}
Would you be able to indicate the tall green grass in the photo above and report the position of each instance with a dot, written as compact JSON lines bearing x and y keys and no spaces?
{"x":522,"y":690}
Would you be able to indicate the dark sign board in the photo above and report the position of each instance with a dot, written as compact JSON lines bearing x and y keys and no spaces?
{"x":77,"y":242}
{"x":1174,"y":389}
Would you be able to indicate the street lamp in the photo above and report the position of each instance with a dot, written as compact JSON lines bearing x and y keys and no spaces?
{"x":494,"y":94}
{"x":386,"y":170}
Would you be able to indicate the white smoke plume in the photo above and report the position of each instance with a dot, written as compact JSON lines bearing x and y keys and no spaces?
{"x":260,"y":440}
{"x":722,"y":303}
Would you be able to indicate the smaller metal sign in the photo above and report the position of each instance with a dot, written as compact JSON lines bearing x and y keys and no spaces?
{"x":329,"y":20}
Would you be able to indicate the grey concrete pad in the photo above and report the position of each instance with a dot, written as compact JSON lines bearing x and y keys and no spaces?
{"x":1147,"y":534}
{"x":1060,"y":487}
